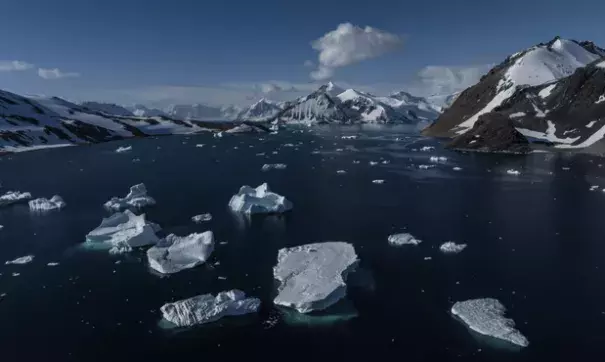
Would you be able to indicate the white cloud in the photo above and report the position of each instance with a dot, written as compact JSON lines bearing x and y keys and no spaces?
{"x":441,"y":80}
{"x":55,"y":73}
{"x":349,"y":44}
{"x":14,"y":65}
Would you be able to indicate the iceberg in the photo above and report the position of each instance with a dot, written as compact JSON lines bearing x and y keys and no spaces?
{"x":427,"y":148}
{"x":176,"y":253}
{"x":313,"y":277}
{"x":137,"y":197}
{"x":378,"y":182}
{"x":451,"y":247}
{"x":438,"y":159}
{"x":259,"y":201}
{"x":124,"y":149}
{"x":123,"y":231}
{"x":275,"y":166}
{"x":55,"y":203}
{"x":513,"y":172}
{"x":198,"y":219}
{"x":13,"y":197}
{"x":486,"y":316}
{"x":403,"y":239}
{"x":22,"y":260}
{"x":206,"y":308}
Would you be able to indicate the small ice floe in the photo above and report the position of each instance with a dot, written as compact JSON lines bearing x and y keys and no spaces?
{"x":22,"y":260}
{"x":135,"y":160}
{"x":403,"y":239}
{"x":348,"y":137}
{"x":13,"y":197}
{"x":260,"y":154}
{"x":288,"y":145}
{"x":259,"y":200}
{"x":386,"y":162}
{"x":513,"y":172}
{"x":52,"y":263}
{"x":1,"y":227}
{"x":55,"y":203}
{"x":438,"y":159}
{"x":428,"y":258}
{"x":594,"y":187}
{"x":373,"y":163}
{"x":487,"y":316}
{"x":124,"y":149}
{"x":200,"y":145}
{"x":313,"y":277}
{"x":427,"y":148}
{"x":137,"y":197}
{"x":15,"y":274}
{"x":356,"y":162}
{"x":379,"y":182}
{"x":207,"y":308}
{"x":274,"y":166}
{"x":341,"y":172}
{"x":457,"y":168}
{"x":425,"y":167}
{"x":565,"y":168}
{"x":176,"y":253}
{"x":123,"y":231}
{"x":218,"y":135}
{"x":198,"y":219}
{"x":451,"y":247}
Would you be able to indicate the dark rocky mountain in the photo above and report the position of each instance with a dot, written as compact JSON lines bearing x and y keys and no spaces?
{"x":495,"y":133}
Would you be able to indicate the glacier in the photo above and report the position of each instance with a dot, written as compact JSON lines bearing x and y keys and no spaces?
{"x":13,"y":197}
{"x":137,"y":197}
{"x":42,"y":204}
{"x":313,"y":277}
{"x":403,"y":239}
{"x":486,"y":316}
{"x":207,"y":308}
{"x":176,"y":253}
{"x":259,"y":200}
{"x":123,"y":231}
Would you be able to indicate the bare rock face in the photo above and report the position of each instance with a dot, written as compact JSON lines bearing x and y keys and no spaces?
{"x":495,"y":133}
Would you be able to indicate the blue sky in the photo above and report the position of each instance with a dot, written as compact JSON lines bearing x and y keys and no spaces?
{"x":234,"y":51}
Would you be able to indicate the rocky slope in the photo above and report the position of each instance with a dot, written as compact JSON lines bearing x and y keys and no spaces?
{"x":535,"y":69}
{"x":263,"y":110}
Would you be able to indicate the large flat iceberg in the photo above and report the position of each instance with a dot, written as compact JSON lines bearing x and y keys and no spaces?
{"x":313,"y":276}
{"x":403,"y":239}
{"x":123,"y":231}
{"x":486,"y":316}
{"x":137,"y":197}
{"x":42,"y":204}
{"x":22,"y":260}
{"x":259,"y":201}
{"x":208,"y":308}
{"x":13,"y":197}
{"x":176,"y":253}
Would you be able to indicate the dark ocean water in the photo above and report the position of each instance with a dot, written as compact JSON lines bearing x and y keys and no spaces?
{"x":535,"y":242}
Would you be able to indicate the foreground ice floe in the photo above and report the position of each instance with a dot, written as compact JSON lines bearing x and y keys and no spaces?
{"x":22,"y":260}
{"x":513,"y":172}
{"x":123,"y":231}
{"x":451,"y":247}
{"x":55,"y":203}
{"x":313,"y":276}
{"x":378,"y":182}
{"x":486,"y":316}
{"x":403,"y":239}
{"x":13,"y":197}
{"x":176,"y":253}
{"x":425,"y":167}
{"x":438,"y":159}
{"x":198,"y":219}
{"x":208,"y":308}
{"x":275,"y":166}
{"x":427,"y":148}
{"x":137,"y":197}
{"x":258,"y":200}
{"x":124,"y":149}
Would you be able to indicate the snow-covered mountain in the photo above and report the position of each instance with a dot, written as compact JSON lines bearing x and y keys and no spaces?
{"x":540,"y":64}
{"x":194,"y":111}
{"x":108,"y":108}
{"x":263,"y":110}
{"x":140,"y":110}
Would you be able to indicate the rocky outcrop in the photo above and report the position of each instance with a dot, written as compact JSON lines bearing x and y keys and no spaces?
{"x":492,"y":134}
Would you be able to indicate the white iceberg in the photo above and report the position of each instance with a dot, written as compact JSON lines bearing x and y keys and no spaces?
{"x":218,"y":135}
{"x":137,"y":197}
{"x":438,"y":159}
{"x":124,"y":149}
{"x":457,"y":168}
{"x":207,"y":308}
{"x":275,"y":166}
{"x":486,"y":316}
{"x":259,"y":201}
{"x":123,"y":231}
{"x":198,"y":219}
{"x":427,"y":148}
{"x":13,"y":197}
{"x":22,"y":260}
{"x":451,"y":247}
{"x":379,"y":182}
{"x":55,"y":203}
{"x":513,"y":172}
{"x":52,"y":263}
{"x":403,"y":239}
{"x":313,"y":276}
{"x":425,"y":167}
{"x":176,"y":253}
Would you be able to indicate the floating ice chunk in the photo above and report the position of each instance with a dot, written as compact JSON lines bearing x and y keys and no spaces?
{"x":594,"y":187}
{"x":124,"y":230}
{"x":313,"y":276}
{"x":373,"y":163}
{"x":200,"y":145}
{"x":457,"y":168}
{"x":52,"y":263}
{"x":124,"y":149}
{"x":486,"y":316}
{"x":348,"y":137}
{"x":218,"y":135}
{"x":22,"y":260}
{"x":356,"y":162}
{"x":1,"y":227}
{"x":275,"y":166}
{"x":207,"y":308}
{"x":438,"y":159}
{"x":378,"y":182}
{"x":403,"y":239}
{"x":451,"y":247}
{"x":176,"y":253}
{"x":120,"y":249}
{"x":13,"y":197}
{"x":386,"y":162}
{"x":137,"y":197}
{"x":341,"y":172}
{"x":513,"y":172}
{"x":427,"y":148}
{"x":198,"y":219}
{"x":55,"y":203}
{"x":425,"y":167}
{"x":258,"y":201}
